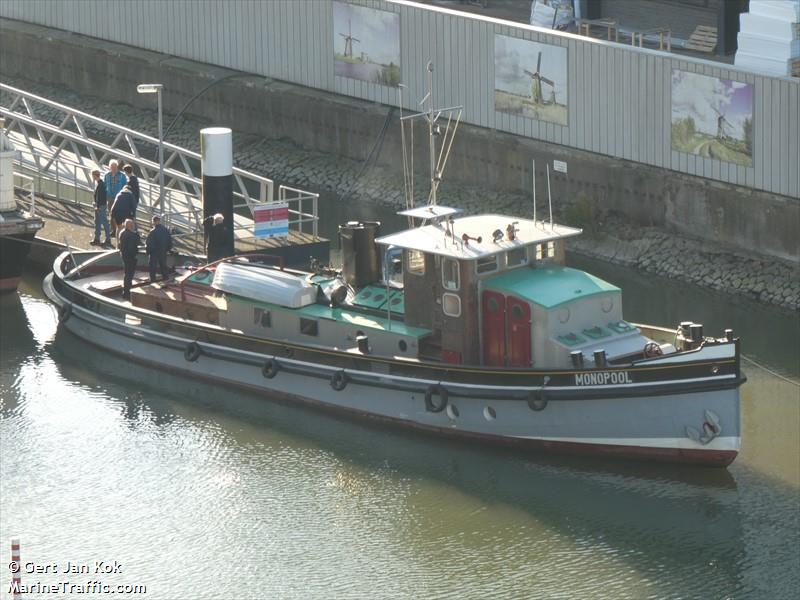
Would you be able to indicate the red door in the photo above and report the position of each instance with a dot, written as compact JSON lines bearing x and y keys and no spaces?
{"x":493,"y":310}
{"x":518,"y":314}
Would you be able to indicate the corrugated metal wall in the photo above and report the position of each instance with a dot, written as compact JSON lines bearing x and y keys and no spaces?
{"x":619,"y":101}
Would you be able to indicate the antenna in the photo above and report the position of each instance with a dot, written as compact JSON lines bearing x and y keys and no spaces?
{"x":533,"y":173}
{"x":407,"y":182}
{"x":549,"y":197}
{"x":432,"y":115}
{"x":432,"y":199}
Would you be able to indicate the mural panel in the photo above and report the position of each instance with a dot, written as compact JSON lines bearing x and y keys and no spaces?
{"x":712,"y":117}
{"x":530,"y":79}
{"x":366,"y":44}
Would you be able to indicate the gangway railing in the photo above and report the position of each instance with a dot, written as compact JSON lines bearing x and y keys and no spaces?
{"x":27,"y":185}
{"x":290,"y":194}
{"x":61,"y":144}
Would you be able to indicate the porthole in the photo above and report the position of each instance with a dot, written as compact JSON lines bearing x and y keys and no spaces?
{"x":492,"y":304}
{"x":516,"y":312}
{"x":395,"y":301}
{"x":452,"y":412}
{"x":607,"y":304}
{"x":379,"y":297}
{"x":563,"y":315}
{"x":489,"y":413}
{"x":365,"y":294}
{"x":402,"y":345}
{"x":451,"y":305}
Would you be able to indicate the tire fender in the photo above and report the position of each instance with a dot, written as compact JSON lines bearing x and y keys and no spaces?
{"x":192,"y":352}
{"x":339,"y":380}
{"x":436,"y":390}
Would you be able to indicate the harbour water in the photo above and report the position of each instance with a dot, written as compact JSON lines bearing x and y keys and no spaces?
{"x":200,"y":492}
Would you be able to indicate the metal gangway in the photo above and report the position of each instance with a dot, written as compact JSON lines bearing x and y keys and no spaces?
{"x":60,"y":146}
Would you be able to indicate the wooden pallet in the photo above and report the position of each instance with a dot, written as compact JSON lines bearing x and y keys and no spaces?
{"x":703,"y":39}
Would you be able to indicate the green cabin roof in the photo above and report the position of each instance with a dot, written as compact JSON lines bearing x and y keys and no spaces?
{"x":548,"y":287}
{"x":361,"y":320}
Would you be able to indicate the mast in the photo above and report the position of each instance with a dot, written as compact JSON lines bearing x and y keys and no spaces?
{"x":432,"y":115}
{"x":431,"y":129}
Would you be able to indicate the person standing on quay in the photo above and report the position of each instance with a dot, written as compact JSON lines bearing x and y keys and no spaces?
{"x":133,"y":183}
{"x":159,"y":242}
{"x":128,"y":246}
{"x":114,"y":181}
{"x":100,"y":211}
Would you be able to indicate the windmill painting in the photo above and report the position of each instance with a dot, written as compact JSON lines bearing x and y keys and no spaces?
{"x":366,"y":44}
{"x":530,"y":79}
{"x":712,"y":117}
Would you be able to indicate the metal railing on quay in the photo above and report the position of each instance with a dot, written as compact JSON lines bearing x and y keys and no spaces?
{"x":59,"y":147}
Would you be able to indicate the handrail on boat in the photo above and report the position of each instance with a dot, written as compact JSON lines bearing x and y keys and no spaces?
{"x":269,"y":257}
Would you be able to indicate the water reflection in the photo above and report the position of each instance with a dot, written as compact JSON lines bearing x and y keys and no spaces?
{"x":637,"y":530}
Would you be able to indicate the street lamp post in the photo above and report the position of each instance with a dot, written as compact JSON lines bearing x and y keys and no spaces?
{"x":155,"y":88}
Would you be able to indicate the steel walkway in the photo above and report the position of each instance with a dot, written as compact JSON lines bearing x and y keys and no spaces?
{"x":60,"y":146}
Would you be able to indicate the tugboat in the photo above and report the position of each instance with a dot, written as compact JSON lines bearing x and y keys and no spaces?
{"x":17,"y":228}
{"x":462,"y":326}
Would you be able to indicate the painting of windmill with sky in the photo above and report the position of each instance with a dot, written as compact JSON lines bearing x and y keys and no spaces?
{"x":366,"y":44}
{"x":712,"y":117}
{"x":530,"y":79}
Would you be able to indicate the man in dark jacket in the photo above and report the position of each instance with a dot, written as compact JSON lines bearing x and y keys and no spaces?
{"x":100,"y":211}
{"x":124,"y":207}
{"x":128,"y":246}
{"x":133,"y":183}
{"x":159,"y":242}
{"x":219,"y":234}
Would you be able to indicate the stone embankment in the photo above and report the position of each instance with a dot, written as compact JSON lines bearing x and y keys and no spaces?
{"x":608,"y":236}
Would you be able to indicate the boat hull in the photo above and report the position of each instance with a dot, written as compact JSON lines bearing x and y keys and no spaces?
{"x":601,"y":421}
{"x":14,"y":250}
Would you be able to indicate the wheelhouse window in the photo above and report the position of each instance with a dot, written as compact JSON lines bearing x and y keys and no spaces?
{"x":415,"y":262}
{"x":309,"y":327}
{"x":450,"y":274}
{"x":547,"y":250}
{"x":486,"y":264}
{"x":516,"y":257}
{"x":262,"y":317}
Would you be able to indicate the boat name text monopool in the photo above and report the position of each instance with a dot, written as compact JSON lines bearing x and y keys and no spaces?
{"x":603,"y":378}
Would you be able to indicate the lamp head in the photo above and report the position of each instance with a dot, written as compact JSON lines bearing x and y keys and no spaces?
{"x":149,"y":88}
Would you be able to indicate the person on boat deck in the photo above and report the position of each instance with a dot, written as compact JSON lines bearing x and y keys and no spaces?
{"x":114,"y":180}
{"x":158,"y":243}
{"x":100,"y":211}
{"x":133,"y":183}
{"x":218,"y":239}
{"x":124,"y":207}
{"x":128,"y":246}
